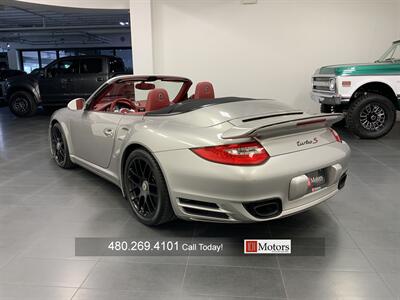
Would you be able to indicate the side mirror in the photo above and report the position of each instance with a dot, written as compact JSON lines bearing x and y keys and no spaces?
{"x":76,"y":104}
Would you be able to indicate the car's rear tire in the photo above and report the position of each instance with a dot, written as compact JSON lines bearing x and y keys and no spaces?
{"x":22,"y":104}
{"x":371,"y":116}
{"x":59,"y":147}
{"x":145,"y":189}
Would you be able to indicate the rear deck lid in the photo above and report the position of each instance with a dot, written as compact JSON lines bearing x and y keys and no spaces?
{"x":286,"y":133}
{"x":297,"y":142}
{"x":205,"y":113}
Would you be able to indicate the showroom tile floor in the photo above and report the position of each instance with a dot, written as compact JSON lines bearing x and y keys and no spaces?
{"x":42,"y":209}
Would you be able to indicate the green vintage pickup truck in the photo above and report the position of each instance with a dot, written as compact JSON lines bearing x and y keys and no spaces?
{"x":368,"y":94}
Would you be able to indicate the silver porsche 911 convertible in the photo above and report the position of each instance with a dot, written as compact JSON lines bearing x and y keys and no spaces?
{"x":198,"y":157}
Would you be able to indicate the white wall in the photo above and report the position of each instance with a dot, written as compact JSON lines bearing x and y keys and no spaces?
{"x":269,"y":49}
{"x":142,"y":36}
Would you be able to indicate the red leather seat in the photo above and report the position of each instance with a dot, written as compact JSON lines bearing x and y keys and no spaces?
{"x":157,"y":99}
{"x":204,"y":90}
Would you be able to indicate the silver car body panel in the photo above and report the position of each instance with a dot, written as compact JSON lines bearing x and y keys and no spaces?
{"x":99,"y":142}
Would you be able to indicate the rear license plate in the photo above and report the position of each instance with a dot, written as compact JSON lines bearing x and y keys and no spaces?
{"x":316,"y":180}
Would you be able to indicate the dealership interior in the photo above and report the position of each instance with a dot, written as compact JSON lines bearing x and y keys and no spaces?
{"x":263,"y":49}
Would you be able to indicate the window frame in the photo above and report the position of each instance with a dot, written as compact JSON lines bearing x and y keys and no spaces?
{"x":98,"y":49}
{"x":82,"y":58}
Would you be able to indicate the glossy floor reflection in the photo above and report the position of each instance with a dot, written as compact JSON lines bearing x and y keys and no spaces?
{"x":42,"y":209}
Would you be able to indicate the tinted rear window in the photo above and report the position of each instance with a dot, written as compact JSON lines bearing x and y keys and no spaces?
{"x":91,"y":65}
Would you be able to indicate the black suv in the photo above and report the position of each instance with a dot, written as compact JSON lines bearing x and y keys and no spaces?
{"x":4,"y":74}
{"x":59,"y":82}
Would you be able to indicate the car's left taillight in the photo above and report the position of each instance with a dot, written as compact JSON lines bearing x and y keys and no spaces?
{"x":243,"y":154}
{"x":336,"y":135}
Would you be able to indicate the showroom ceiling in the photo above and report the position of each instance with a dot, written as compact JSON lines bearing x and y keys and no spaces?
{"x":13,"y":16}
{"x":40,"y":24}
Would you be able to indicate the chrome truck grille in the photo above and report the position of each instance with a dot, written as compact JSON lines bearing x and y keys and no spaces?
{"x":321,"y":84}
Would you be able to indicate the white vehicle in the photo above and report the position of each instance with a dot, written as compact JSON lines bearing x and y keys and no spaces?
{"x":368,"y":94}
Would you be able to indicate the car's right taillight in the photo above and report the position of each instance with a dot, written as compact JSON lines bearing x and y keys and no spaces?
{"x":243,"y":154}
{"x":336,"y":135}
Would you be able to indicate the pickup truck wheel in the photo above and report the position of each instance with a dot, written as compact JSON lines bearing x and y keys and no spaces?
{"x":22,"y":104}
{"x":371,"y":116}
{"x":145,"y":189}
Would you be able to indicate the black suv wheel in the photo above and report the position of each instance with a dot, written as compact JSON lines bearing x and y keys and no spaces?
{"x":371,"y":116}
{"x":22,"y":104}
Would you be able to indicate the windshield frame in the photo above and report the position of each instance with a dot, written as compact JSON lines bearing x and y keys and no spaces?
{"x":388,"y":54}
{"x":181,"y":95}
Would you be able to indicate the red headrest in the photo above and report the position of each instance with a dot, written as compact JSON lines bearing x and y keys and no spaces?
{"x":204,"y":90}
{"x":157,"y":99}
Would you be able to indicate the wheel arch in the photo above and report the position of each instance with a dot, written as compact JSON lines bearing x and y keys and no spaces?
{"x":128,"y":149}
{"x":54,"y":121}
{"x":135,"y":146}
{"x":377,"y":87}
{"x":13,"y":89}
{"x":66,"y":132}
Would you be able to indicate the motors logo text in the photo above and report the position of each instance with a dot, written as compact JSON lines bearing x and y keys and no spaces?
{"x":267,"y":247}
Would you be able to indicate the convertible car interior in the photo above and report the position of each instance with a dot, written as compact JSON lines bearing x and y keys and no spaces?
{"x":139,"y":95}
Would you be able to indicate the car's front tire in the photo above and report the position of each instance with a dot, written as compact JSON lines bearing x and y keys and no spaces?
{"x":145,"y":189}
{"x":371,"y":116}
{"x":59,"y":147}
{"x":22,"y":104}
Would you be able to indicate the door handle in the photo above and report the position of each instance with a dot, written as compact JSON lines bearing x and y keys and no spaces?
{"x":99,"y":79}
{"x":108,"y":132}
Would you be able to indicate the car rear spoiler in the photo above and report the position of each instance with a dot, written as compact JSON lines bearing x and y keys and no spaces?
{"x":285,"y":125}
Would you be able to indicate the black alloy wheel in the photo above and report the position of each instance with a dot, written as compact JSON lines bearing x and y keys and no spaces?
{"x":59,"y":147}
{"x":143,"y":191}
{"x":146,"y":190}
{"x":373,"y":117}
{"x":22,"y":104}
